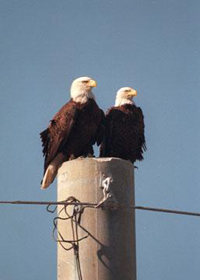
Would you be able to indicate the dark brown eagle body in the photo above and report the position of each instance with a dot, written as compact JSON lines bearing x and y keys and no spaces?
{"x":124,"y":133}
{"x":73,"y":131}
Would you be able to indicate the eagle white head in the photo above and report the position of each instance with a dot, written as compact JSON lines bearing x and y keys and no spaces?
{"x":81,"y":89}
{"x":125,"y":96}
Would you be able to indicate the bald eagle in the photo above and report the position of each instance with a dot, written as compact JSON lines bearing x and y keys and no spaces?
{"x":124,"y":128}
{"x":73,"y":130}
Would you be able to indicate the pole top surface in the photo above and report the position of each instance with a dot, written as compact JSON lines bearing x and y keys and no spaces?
{"x":94,"y":160}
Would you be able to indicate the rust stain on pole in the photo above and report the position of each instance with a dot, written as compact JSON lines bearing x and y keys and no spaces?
{"x":109,"y":253}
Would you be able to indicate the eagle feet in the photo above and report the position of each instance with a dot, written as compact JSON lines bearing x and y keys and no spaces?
{"x":85,"y":156}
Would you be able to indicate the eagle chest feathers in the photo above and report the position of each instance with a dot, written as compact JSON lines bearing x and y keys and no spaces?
{"x":123,"y":130}
{"x":87,"y":120}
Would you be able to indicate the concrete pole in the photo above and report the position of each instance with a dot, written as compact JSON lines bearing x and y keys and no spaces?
{"x":109,"y":253}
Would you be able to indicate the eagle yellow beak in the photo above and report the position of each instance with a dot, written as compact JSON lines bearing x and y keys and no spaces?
{"x":92,"y":83}
{"x":133,"y":92}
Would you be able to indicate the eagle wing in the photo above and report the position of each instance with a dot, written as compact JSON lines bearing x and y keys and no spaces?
{"x":141,"y":128}
{"x":101,"y":129}
{"x":55,"y":137}
{"x":110,"y":121}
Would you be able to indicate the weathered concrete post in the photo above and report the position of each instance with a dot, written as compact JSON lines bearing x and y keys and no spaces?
{"x":109,"y":253}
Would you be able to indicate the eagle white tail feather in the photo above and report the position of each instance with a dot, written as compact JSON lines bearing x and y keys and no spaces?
{"x":51,"y":171}
{"x":49,"y":176}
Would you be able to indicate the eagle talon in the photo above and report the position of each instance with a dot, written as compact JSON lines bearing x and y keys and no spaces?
{"x":90,"y":155}
{"x":85,"y":156}
{"x":72,"y":157}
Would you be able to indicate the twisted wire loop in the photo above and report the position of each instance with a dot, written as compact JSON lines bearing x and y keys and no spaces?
{"x":75,"y":219}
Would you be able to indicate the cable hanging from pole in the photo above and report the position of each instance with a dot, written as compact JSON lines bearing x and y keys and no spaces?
{"x":75,"y":220}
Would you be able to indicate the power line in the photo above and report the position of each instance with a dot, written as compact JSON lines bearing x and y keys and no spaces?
{"x":169,"y":211}
{"x":46,"y":203}
{"x":162,"y":210}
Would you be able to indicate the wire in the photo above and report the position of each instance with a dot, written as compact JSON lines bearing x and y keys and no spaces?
{"x":169,"y":211}
{"x":75,"y":221}
{"x":64,"y":202}
{"x":93,"y":205}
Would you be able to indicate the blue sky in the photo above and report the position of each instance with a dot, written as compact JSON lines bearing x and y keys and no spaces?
{"x":150,"y":45}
